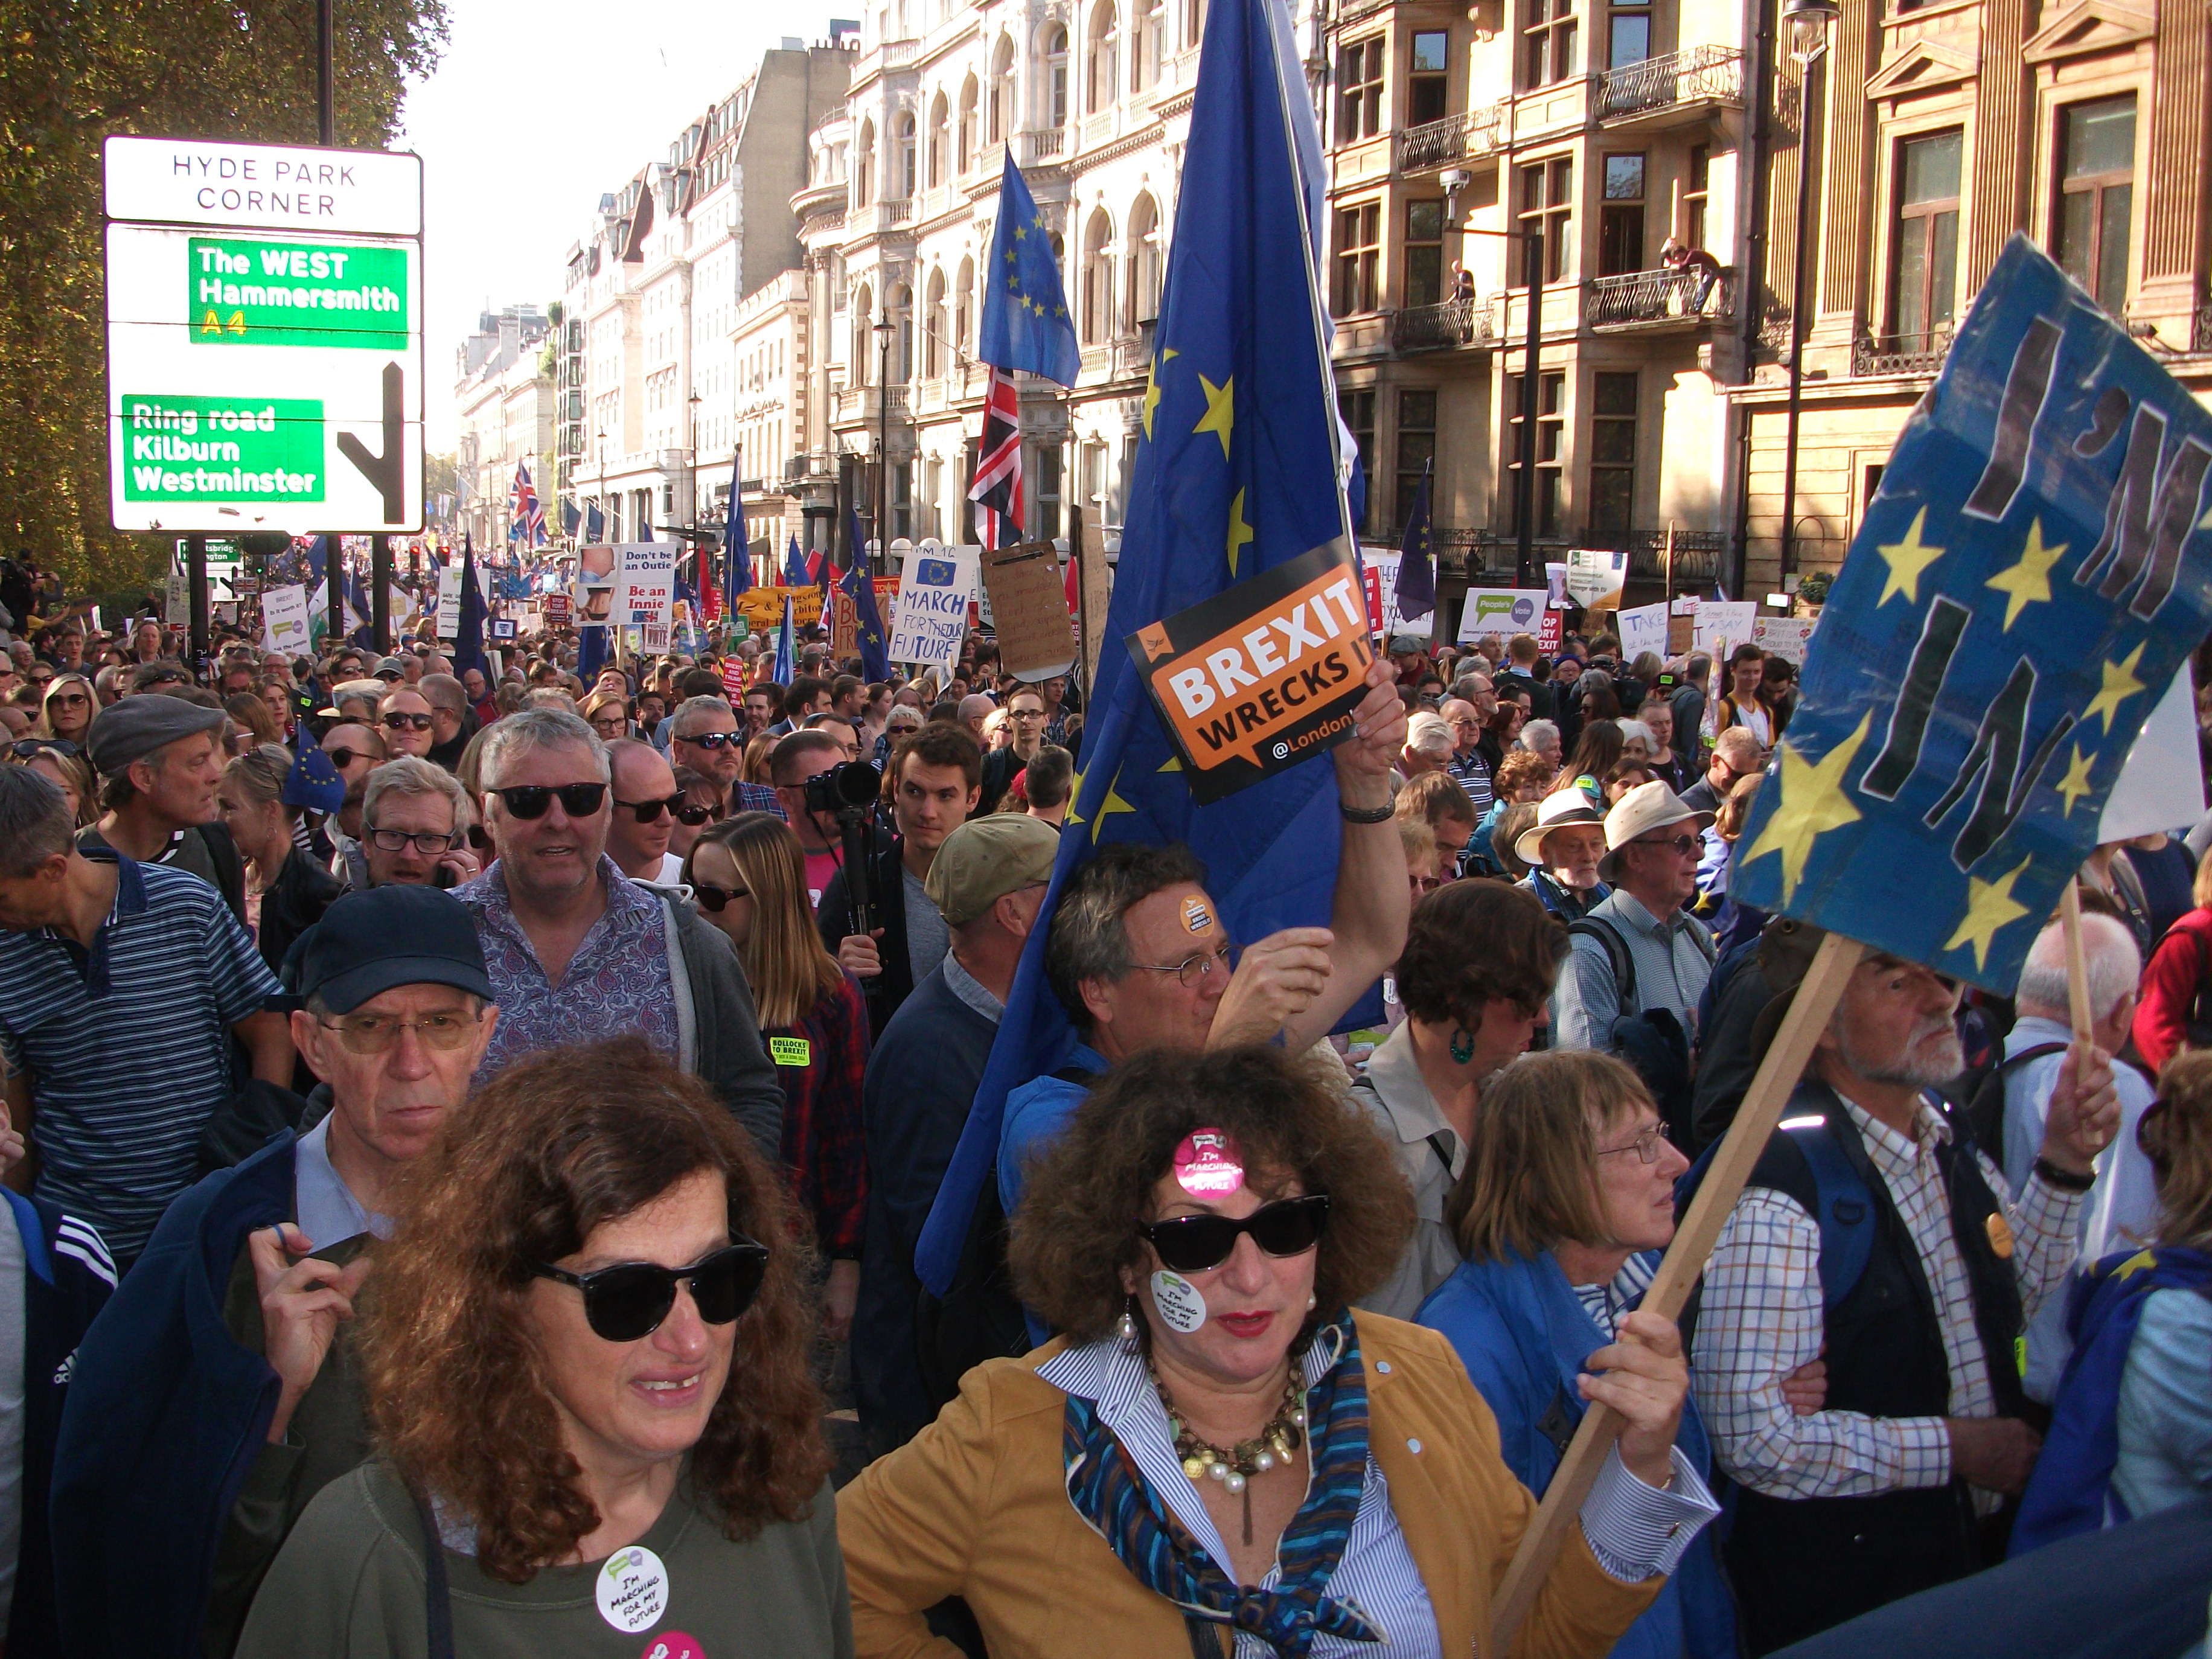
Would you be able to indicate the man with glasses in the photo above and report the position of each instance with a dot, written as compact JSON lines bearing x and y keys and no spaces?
{"x":703,"y":735}
{"x":645,"y":799}
{"x":173,"y":1390}
{"x":1638,"y":950}
{"x":1735,"y":757}
{"x":414,"y":829}
{"x":408,"y":722}
{"x":1467,"y":763}
{"x":577,"y":951}
{"x":1025,"y":714}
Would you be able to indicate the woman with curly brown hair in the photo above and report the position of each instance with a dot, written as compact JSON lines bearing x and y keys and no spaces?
{"x":585,"y":1351}
{"x":1217,"y":1456}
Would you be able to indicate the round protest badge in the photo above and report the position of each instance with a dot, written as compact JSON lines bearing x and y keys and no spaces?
{"x":674,"y":1645}
{"x":1196,"y":918}
{"x":633,"y":1590}
{"x":1207,"y":1163}
{"x":1179,"y":1302}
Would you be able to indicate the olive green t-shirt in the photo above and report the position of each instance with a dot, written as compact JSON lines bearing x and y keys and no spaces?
{"x":348,"y":1584}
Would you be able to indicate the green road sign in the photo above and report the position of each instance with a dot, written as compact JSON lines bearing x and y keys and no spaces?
{"x":293,"y":293}
{"x":182,"y":448}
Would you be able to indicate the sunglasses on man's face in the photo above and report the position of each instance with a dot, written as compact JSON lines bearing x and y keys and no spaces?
{"x":648,"y":810}
{"x":1192,"y":1243}
{"x":530,"y":801}
{"x":628,"y":1301}
{"x":397,"y":722}
{"x":713,"y":739}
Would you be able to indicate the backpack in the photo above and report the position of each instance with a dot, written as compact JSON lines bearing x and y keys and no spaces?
{"x":1985,"y":1103}
{"x":2200,"y":1016}
{"x":1651,"y":1039}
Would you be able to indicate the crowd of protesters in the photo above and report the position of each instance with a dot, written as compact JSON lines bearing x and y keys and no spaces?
{"x":468,"y":1128}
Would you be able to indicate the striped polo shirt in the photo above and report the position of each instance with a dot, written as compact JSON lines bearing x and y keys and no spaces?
{"x":127,"y":1043}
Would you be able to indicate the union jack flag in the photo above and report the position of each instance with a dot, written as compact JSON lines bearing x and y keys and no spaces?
{"x":525,"y":513}
{"x":998,"y":486}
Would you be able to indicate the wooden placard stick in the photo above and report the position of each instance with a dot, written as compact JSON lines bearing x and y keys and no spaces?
{"x":1821,"y":988}
{"x":2077,"y":965}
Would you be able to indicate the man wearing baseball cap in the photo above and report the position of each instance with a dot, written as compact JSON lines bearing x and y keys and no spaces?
{"x":1638,"y":951}
{"x":192,"y":1386}
{"x":989,"y":879}
{"x":159,"y":759}
{"x":1563,"y":849}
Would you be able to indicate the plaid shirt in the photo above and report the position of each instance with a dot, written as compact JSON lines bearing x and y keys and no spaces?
{"x":1761,"y":1319}
{"x":822,"y":1142}
{"x":754,"y":797}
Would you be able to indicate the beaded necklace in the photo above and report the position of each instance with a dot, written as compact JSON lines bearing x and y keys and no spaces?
{"x":1235,"y":1467}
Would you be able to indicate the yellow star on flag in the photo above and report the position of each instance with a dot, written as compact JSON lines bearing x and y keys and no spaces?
{"x":1152,"y":386}
{"x":2075,"y":784}
{"x":1037,"y":306}
{"x":2120,"y":685}
{"x":1220,"y":411}
{"x":1906,"y":560}
{"x":1239,"y":532}
{"x":2141,"y":1261}
{"x":1107,"y":808}
{"x":1814,"y":802}
{"x":2027,"y":582}
{"x":1010,"y":256}
{"x":1014,"y":285}
{"x":1174,"y":764}
{"x":1021,"y":234}
{"x":1991,"y":907}
{"x":1038,"y":219}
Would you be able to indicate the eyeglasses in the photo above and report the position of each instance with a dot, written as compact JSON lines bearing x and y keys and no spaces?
{"x":647,"y":811}
{"x":343,"y":758}
{"x":1192,"y":1243}
{"x":26,"y":749}
{"x":397,"y":722}
{"x":423,"y":840}
{"x":689,"y":814}
{"x":530,"y":801}
{"x":377,"y":1034}
{"x":715,"y":897}
{"x":714,"y":739}
{"x":629,"y":1300}
{"x":1645,"y":1146}
{"x":1192,"y":970}
{"x":1680,"y":846}
{"x":1027,"y":714}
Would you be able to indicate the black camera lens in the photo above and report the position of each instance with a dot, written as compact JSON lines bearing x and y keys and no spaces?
{"x":845,"y":787}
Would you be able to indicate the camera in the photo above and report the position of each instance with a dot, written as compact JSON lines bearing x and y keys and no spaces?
{"x":847,"y":787}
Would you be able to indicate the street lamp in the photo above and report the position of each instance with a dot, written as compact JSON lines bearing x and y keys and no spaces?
{"x":883,"y":328}
{"x":1806,"y":22}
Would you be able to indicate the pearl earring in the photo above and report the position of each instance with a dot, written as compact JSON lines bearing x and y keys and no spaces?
{"x":1125,"y":1329}
{"x":1312,"y":1301}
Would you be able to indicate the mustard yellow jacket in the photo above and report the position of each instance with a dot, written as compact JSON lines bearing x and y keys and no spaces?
{"x":975,"y":1506}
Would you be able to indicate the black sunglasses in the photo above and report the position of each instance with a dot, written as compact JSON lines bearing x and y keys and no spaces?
{"x":714,"y":739}
{"x":647,"y":811}
{"x":694,"y":814}
{"x":26,"y":749}
{"x":530,"y":801}
{"x":397,"y":722}
{"x":629,"y":1300}
{"x":715,"y":897}
{"x":1192,"y":1243}
{"x":343,"y":756}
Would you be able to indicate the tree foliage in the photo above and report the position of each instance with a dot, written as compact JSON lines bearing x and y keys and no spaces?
{"x":75,"y":71}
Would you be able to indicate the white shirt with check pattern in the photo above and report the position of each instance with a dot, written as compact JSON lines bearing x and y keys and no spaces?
{"x":1761,"y":1319}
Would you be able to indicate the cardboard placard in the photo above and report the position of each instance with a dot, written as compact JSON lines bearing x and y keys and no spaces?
{"x":1596,"y":577}
{"x":1644,"y":629}
{"x":1379,"y":571}
{"x":553,"y":610}
{"x":930,"y":618}
{"x":844,"y":624}
{"x":284,"y":619}
{"x":1029,"y":608}
{"x":1264,"y":675}
{"x":1506,"y":611}
{"x":761,"y":608}
{"x":645,"y":584}
{"x":1719,"y":628}
{"x":1787,"y":637}
{"x":1097,"y":589}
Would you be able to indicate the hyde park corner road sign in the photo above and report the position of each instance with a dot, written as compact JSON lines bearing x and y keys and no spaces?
{"x":264,"y":338}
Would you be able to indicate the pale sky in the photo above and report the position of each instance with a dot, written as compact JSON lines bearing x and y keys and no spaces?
{"x":535,"y":108}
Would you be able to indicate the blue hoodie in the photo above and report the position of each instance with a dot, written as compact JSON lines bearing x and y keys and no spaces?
{"x":1523,"y":1334}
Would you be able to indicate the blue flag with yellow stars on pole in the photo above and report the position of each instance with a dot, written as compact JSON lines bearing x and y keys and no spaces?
{"x":1025,"y":321}
{"x":2036,"y":564}
{"x":1236,"y":473}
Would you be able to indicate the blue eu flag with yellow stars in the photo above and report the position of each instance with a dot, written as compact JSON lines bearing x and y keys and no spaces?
{"x":1025,"y":323}
{"x":2036,"y":565}
{"x":1235,"y":473}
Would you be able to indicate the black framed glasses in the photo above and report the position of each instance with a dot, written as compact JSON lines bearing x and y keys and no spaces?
{"x":647,"y":811}
{"x":426,"y":843}
{"x":714,"y":739}
{"x":398,"y":720}
{"x":715,"y":897}
{"x":24,"y":749}
{"x":1192,"y":971}
{"x":530,"y":801}
{"x":1192,"y":1243}
{"x":629,"y":1300}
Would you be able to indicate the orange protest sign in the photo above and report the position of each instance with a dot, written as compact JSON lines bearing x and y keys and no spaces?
{"x":1263,"y":675}
{"x":763,"y":607}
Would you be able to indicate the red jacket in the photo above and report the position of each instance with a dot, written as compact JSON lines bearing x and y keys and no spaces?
{"x":2170,"y":987}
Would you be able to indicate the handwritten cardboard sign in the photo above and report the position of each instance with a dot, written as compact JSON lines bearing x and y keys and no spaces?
{"x":1029,"y":608}
{"x":1263,"y":675}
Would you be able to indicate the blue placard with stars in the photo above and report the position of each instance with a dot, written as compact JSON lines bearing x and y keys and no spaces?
{"x":1025,"y":324}
{"x":2036,"y":565}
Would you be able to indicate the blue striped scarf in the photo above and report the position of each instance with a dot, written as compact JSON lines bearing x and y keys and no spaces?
{"x":1110,"y":1492}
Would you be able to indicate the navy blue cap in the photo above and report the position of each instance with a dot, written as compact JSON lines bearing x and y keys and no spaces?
{"x":368,"y":942}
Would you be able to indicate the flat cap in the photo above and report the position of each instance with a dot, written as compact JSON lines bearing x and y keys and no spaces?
{"x":987,"y":858}
{"x":135,"y":727}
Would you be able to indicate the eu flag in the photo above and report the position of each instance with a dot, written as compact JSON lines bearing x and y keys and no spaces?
{"x":795,"y":574}
{"x":875,"y":657}
{"x":737,"y":552}
{"x":469,"y":631}
{"x":786,"y":647}
{"x":1025,"y":322}
{"x":1237,"y":472}
{"x":2033,"y":569}
{"x":1417,"y":576}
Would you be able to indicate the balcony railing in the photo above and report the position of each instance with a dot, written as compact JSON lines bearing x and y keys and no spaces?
{"x":1047,"y":143}
{"x":2200,"y":328}
{"x":1901,"y":354}
{"x":1469,"y":555}
{"x":861,"y":403}
{"x":1465,"y":137}
{"x":1665,"y":298}
{"x":1702,"y":74}
{"x":898,"y":52}
{"x":1461,"y":322}
{"x":898,"y":211}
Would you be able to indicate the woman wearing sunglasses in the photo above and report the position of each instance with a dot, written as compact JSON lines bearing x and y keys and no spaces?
{"x":1215,"y":1439}
{"x":585,"y":1358}
{"x":63,"y":764}
{"x":748,"y":875}
{"x":66,"y":710}
{"x":1568,"y":1202}
{"x":702,"y":800}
